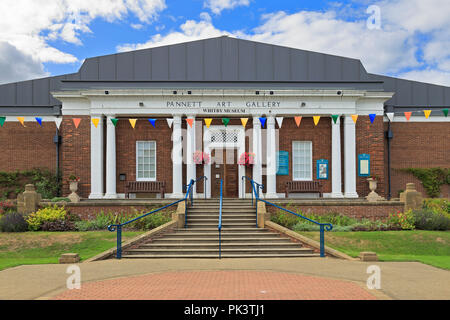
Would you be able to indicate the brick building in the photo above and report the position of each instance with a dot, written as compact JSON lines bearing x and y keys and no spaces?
{"x":180,"y":86}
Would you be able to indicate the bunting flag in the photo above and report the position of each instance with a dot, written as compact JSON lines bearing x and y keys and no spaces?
{"x":263,"y":121}
{"x":58,"y":122}
{"x":335,"y":117}
{"x":39,"y":120}
{"x":169,"y":122}
{"x":95,"y":121}
{"x":244,"y":121}
{"x":114,"y":121}
{"x":316,"y":120}
{"x":76,"y":122}
{"x":427,"y":113}
{"x":2,"y":121}
{"x":355,"y":118}
{"x":21,"y":120}
{"x":153,"y":122}
{"x":208,"y":122}
{"x":190,"y":122}
{"x":390,"y":116}
{"x":445,"y":111}
{"x":298,"y":120}
{"x":408,"y":115}
{"x":279,"y":121}
{"x":372,"y":117}
{"x":133,"y":122}
{"x":225,"y":121}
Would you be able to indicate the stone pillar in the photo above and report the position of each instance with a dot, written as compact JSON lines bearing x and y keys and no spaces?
{"x":177,"y":158}
{"x":350,"y":157}
{"x":411,"y":197}
{"x":336,"y":159}
{"x":97,"y":159}
{"x":257,"y":150}
{"x":28,"y":201}
{"x":190,"y":149}
{"x":271,"y":188}
{"x":110,"y":159}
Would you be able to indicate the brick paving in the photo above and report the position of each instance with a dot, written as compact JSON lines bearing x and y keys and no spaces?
{"x":218,"y":285}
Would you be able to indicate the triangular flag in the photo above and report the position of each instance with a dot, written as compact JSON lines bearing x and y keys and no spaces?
{"x":190,"y":121}
{"x":133,"y":122}
{"x":335,"y":117}
{"x":58,"y":122}
{"x":445,"y":111}
{"x":298,"y":120}
{"x":372,"y":117}
{"x":263,"y":121}
{"x":279,"y":121}
{"x":152,"y":121}
{"x":21,"y":120}
{"x":408,"y":115}
{"x":95,"y":121}
{"x":316,"y":120}
{"x":76,"y":122}
{"x":2,"y":121}
{"x":225,"y":121}
{"x":244,"y":121}
{"x":39,"y":120}
{"x":427,"y":113}
{"x":208,"y":122}
{"x":390,"y":116}
{"x":355,"y":118}
{"x":169,"y":122}
{"x":114,"y":121}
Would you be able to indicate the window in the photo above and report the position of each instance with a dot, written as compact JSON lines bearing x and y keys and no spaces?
{"x":302,"y":160}
{"x":145,"y":160}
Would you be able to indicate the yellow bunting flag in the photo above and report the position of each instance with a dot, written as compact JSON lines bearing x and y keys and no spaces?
{"x":298,"y":120}
{"x":427,"y":113}
{"x":95,"y":121}
{"x":207,"y":122}
{"x":244,"y":121}
{"x":21,"y":120}
{"x":132,"y":122}
{"x":76,"y":122}
{"x":316,"y":120}
{"x":354,"y":117}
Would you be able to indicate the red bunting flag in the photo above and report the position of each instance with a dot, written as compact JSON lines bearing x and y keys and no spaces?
{"x":408,"y":115}
{"x":76,"y":122}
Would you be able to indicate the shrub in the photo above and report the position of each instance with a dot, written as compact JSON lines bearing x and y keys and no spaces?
{"x":286,"y":219}
{"x":151,"y":221}
{"x":47,"y":214}
{"x":334,"y":218}
{"x":440,"y":206}
{"x":13,"y":222}
{"x":404,"y":220}
{"x":305,"y":226}
{"x":428,"y":220}
{"x":58,"y":225}
{"x":58,"y":199}
{"x":84,"y":225}
{"x":7,"y":206}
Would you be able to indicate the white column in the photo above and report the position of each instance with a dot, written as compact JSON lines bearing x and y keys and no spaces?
{"x":271,"y":169}
{"x":257,"y":150}
{"x":110,"y":159}
{"x":177,"y":158}
{"x":336,"y":181}
{"x":190,"y":149}
{"x":350,"y":157}
{"x":97,"y":159}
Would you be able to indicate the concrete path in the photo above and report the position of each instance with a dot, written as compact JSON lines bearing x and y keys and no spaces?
{"x":399,"y":280}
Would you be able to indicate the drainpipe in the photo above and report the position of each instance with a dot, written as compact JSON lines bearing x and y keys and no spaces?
{"x":389,"y":136}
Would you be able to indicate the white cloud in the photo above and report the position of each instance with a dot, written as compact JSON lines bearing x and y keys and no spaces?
{"x":217,"y":6}
{"x":137,"y":26}
{"x":428,"y":75}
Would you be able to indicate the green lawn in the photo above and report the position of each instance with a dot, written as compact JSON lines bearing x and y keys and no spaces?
{"x":46,"y":247}
{"x":430,"y":247}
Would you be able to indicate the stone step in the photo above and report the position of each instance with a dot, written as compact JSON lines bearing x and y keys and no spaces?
{"x":224,"y":209}
{"x":224,"y":215}
{"x":228,"y":239}
{"x":224,"y":235}
{"x":197,"y":251}
{"x":215,"y":245}
{"x":195,"y":225}
{"x":225,"y":230}
{"x":223,"y":255}
{"x":224,"y":219}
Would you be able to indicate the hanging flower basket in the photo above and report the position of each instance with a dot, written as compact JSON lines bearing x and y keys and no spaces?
{"x":247,"y":159}
{"x":201,"y":157}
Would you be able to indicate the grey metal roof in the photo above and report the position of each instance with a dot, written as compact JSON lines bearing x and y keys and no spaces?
{"x":221,"y":61}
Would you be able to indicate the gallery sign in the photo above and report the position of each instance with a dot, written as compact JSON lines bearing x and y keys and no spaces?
{"x":222,"y":106}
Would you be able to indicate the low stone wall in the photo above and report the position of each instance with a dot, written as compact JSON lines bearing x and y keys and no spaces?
{"x":353,"y":208}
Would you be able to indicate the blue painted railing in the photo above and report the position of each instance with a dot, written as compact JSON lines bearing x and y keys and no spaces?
{"x":322,"y":226}
{"x":258,"y":186}
{"x":118,"y":227}
{"x":219,"y":227}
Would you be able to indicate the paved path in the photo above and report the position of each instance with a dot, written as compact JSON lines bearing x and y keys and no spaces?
{"x":399,"y":280}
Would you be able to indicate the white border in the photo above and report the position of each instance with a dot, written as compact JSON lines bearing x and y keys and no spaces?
{"x":137,"y":159}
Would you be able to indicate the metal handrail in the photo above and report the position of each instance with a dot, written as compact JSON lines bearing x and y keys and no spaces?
{"x":258,"y":186}
{"x":118,"y":227}
{"x":323,"y":226}
{"x":219,"y":227}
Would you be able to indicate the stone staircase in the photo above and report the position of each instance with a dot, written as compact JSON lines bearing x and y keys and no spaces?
{"x":200,"y":239}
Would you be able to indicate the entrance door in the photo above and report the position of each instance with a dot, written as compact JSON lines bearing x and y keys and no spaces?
{"x":224,"y":166}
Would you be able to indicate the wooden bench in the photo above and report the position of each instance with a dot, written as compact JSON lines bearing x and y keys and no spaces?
{"x":145,"y":187}
{"x":304,"y":187}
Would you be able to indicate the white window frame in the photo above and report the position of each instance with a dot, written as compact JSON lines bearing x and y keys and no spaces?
{"x":311,"y":163}
{"x":137,"y":161}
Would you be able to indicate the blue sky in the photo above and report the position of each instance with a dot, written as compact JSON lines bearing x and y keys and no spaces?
{"x":46,"y":38}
